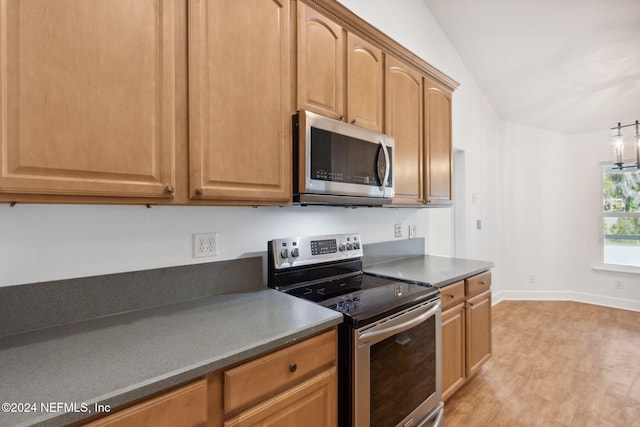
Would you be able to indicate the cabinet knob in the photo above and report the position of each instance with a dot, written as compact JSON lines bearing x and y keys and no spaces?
{"x":481,"y":283}
{"x":451,"y":296}
{"x":293,"y":367}
{"x":169,"y":189}
{"x":199,"y":191}
{"x":353,"y":122}
{"x":341,"y":118}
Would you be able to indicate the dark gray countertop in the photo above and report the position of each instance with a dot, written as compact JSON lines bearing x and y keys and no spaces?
{"x":119,"y":358}
{"x":436,"y":270}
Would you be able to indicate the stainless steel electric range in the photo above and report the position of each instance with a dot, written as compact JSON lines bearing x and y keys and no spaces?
{"x":389,"y":342}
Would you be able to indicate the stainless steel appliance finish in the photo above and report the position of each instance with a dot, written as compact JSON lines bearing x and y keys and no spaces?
{"x":389,"y":342}
{"x":397,"y":364}
{"x":339,"y":163}
{"x":299,"y":251}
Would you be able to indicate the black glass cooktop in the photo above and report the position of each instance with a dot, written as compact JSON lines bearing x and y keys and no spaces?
{"x":378,"y":297}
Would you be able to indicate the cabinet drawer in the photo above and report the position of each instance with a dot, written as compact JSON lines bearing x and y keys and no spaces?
{"x":452,"y":294}
{"x":312,"y":403}
{"x":478,"y":283}
{"x":274,"y":372}
{"x":185,"y":406}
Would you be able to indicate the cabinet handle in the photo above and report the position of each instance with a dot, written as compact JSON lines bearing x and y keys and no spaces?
{"x":451,"y":296}
{"x":293,"y":367}
{"x":341,"y":118}
{"x":199,"y":191}
{"x":481,"y":283}
{"x":169,"y":189}
{"x":353,"y":122}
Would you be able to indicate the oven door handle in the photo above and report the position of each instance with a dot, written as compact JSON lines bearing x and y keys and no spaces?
{"x":420,"y":315}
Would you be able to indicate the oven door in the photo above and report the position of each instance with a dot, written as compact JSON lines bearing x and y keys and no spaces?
{"x":397,"y":378}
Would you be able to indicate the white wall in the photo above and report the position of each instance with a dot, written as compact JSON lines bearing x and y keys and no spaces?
{"x":551,"y":223}
{"x":49,"y":242}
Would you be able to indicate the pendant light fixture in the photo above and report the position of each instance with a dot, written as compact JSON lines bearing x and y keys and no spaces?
{"x":618,"y":147}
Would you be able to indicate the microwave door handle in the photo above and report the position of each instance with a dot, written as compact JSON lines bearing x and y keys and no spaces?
{"x":387,"y":166}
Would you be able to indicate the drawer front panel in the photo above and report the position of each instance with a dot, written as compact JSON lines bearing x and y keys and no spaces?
{"x":478,"y":283}
{"x":452,"y":294}
{"x":274,"y":372}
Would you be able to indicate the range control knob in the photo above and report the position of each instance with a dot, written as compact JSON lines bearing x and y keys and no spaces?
{"x":356,"y":245}
{"x":341,"y":248}
{"x":349,"y":246}
{"x":295,"y":252}
{"x":284,"y":254}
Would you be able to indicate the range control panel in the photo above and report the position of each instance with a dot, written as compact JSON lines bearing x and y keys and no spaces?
{"x":297,"y":251}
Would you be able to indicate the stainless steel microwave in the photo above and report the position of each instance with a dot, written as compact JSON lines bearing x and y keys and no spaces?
{"x":337,"y":163}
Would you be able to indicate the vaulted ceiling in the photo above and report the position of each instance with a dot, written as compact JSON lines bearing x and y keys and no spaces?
{"x":562,"y":65}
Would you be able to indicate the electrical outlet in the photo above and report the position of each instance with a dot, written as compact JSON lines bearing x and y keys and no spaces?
{"x":397,"y":230}
{"x":412,"y":231}
{"x":530,"y":279}
{"x":205,"y":244}
{"x":618,"y":284}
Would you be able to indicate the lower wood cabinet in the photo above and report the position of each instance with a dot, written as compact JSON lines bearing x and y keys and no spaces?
{"x":296,"y":385}
{"x":184,"y":406}
{"x":293,"y":386}
{"x":311,"y":403}
{"x":453,"y":345}
{"x":478,"y":322}
{"x":466,"y":330}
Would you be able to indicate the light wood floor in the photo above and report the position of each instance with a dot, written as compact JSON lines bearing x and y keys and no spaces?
{"x":555,"y":363}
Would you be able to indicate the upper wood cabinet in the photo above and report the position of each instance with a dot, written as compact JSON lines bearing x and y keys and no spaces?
{"x":87,"y":98}
{"x":324,"y":86}
{"x":320,"y":49}
{"x":239,"y":99}
{"x":190,"y":103}
{"x":365,"y":75}
{"x":437,"y":143}
{"x":403,"y":112}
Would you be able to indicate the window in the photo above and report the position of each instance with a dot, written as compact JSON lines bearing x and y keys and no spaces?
{"x":621,"y":217}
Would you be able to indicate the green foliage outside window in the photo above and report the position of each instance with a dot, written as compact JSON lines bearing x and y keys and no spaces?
{"x":621,"y":194}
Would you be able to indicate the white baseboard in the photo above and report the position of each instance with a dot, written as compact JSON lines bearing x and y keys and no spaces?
{"x":625,"y":304}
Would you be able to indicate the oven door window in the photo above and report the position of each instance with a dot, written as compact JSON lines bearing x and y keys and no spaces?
{"x":403,"y":373}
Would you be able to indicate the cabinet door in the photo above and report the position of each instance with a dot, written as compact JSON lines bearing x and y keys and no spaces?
{"x":437,"y":128}
{"x":87,"y":100}
{"x":313,"y":403}
{"x":453,"y":342}
{"x":321,"y":52}
{"x":478,"y":324}
{"x":185,"y":406}
{"x":403,"y":114}
{"x":239,"y":115}
{"x":365,"y":70}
